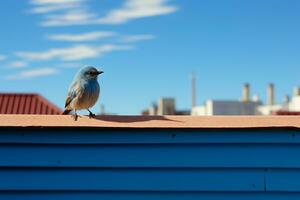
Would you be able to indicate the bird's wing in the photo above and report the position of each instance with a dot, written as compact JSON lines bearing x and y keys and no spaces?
{"x":68,"y":101}
{"x":73,"y":92}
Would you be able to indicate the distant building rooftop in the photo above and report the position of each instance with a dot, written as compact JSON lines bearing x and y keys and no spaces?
{"x":26,"y":103}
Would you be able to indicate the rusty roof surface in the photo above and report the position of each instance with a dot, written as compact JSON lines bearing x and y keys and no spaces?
{"x":150,"y":121}
{"x":26,"y":103}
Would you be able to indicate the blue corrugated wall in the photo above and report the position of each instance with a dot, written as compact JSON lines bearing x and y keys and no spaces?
{"x":86,"y":163}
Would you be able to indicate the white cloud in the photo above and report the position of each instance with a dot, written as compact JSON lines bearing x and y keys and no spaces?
{"x":73,"y":53}
{"x":136,"y":38}
{"x":75,"y":12}
{"x":62,"y":12}
{"x":17,"y":64}
{"x":134,"y":9}
{"x":2,"y":57}
{"x":81,"y":37}
{"x":71,"y":17}
{"x":52,"y":8}
{"x":48,"y":6}
{"x":43,"y":2}
{"x":46,"y":71}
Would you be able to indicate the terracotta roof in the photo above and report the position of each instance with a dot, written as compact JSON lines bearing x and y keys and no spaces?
{"x":150,"y":121}
{"x":26,"y":103}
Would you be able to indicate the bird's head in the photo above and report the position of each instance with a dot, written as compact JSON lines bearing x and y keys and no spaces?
{"x":89,"y":73}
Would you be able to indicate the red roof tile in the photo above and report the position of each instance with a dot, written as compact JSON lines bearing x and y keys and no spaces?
{"x":26,"y":103}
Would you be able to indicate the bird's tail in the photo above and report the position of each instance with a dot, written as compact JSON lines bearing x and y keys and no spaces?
{"x":66,"y":111}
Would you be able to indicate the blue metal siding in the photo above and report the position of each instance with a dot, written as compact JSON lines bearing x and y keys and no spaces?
{"x":147,"y":164}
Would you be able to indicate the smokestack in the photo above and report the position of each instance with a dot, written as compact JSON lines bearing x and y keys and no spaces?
{"x":297,"y":91}
{"x":246,"y":92}
{"x":194,"y":98}
{"x":286,"y":99}
{"x":102,"y":110}
{"x":270,"y":94}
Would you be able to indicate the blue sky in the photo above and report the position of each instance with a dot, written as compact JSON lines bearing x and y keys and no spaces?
{"x":148,"y":48}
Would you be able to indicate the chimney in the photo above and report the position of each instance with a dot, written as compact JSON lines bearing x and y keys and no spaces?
{"x":246,"y":93}
{"x":102,"y":110}
{"x":297,"y":91}
{"x":193,"y":78}
{"x":270,"y":94}
{"x":286,"y":99}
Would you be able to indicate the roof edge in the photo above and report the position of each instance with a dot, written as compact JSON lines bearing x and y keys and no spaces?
{"x":115,"y":121}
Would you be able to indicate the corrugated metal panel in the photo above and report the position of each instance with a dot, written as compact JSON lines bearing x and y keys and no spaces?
{"x":146,"y":195}
{"x":11,"y":103}
{"x":69,"y":163}
{"x":132,"y":179}
{"x":159,"y":155}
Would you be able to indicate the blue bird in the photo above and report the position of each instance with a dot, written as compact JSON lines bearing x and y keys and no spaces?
{"x":83,"y":92}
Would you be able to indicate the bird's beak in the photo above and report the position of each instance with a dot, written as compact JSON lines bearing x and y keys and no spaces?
{"x":100,"y":72}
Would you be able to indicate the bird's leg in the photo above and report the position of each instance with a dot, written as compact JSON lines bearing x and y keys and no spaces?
{"x":75,"y":116}
{"x":91,"y":115}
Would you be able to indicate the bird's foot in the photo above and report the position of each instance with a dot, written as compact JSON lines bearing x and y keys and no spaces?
{"x":92,"y":115}
{"x":75,"y":117}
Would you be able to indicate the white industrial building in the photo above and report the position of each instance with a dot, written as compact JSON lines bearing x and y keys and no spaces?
{"x":288,"y":105}
{"x":165,"y":106}
{"x":247,"y":106}
{"x":294,"y":104}
{"x":244,"y":106}
{"x":226,"y":107}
